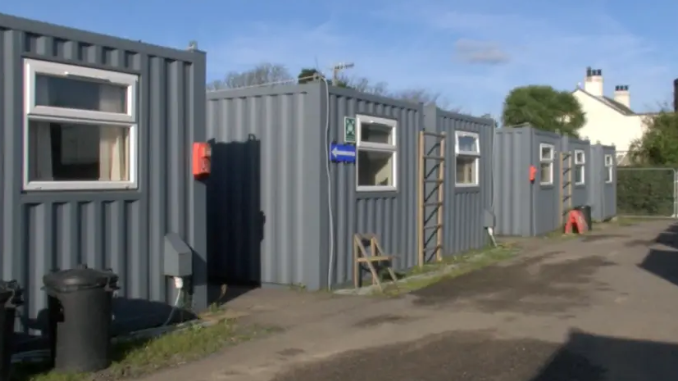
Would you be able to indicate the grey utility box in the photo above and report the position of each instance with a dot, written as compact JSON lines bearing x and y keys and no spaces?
{"x":178,"y":257}
{"x":489,"y":219}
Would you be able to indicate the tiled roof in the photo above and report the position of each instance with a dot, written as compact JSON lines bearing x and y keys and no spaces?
{"x":610,"y":103}
{"x":617,"y":106}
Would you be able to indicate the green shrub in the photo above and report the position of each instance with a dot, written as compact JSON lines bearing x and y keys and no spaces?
{"x":646,"y":192}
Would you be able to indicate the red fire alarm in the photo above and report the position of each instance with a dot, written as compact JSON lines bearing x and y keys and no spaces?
{"x":533,"y":173}
{"x":202,"y":157}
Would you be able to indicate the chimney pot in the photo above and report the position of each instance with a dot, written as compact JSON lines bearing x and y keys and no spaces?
{"x":621,"y":95}
{"x":594,"y":82}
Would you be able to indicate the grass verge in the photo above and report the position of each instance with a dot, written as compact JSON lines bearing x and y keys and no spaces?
{"x":132,"y":359}
{"x":451,"y":267}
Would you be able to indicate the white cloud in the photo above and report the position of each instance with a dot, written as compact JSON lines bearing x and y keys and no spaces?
{"x":480,"y":52}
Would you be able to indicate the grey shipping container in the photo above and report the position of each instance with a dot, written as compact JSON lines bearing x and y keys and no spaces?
{"x":581,"y":161}
{"x":603,"y":190}
{"x":124,"y":229}
{"x":524,"y":207}
{"x":466,"y":204}
{"x":280,"y":213}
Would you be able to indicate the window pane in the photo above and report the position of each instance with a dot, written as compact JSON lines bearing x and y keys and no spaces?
{"x":546,"y":153}
{"x":80,"y":94}
{"x":608,"y":174}
{"x":466,"y":170}
{"x":608,"y":160}
{"x":579,"y":174}
{"x":376,"y":133}
{"x":579,"y":157}
{"x":77,"y":152}
{"x":467,"y":144}
{"x":545,"y":173}
{"x":375,"y":168}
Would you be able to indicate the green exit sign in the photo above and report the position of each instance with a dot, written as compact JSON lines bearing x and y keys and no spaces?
{"x":349,"y":130}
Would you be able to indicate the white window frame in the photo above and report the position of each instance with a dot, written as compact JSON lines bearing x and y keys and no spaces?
{"x":33,"y":112}
{"x":549,"y":160}
{"x":33,"y":67}
{"x":609,"y":167}
{"x":377,"y":147}
{"x":580,"y":163}
{"x":469,"y":154}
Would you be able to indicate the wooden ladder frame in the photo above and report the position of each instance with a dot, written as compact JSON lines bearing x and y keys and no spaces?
{"x":565,"y":191}
{"x":423,"y":203}
{"x":375,"y":255}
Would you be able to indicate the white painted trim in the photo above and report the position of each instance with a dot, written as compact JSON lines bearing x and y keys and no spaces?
{"x":553,"y":152}
{"x":83,"y":185}
{"x":609,"y":167}
{"x":476,"y":179}
{"x":459,"y":134}
{"x":583,"y":175}
{"x":611,"y":160}
{"x":377,"y":147}
{"x":33,"y":67}
{"x":549,"y":160}
{"x":583,"y":153}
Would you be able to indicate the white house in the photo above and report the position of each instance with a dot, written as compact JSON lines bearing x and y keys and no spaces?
{"x":609,"y":120}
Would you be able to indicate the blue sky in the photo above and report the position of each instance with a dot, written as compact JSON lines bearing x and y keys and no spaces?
{"x":472,"y":52}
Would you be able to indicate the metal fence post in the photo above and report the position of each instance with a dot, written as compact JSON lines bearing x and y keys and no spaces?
{"x":675,"y":194}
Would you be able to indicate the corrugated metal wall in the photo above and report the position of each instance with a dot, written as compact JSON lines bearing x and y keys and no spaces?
{"x":465,"y":206}
{"x":270,"y":192}
{"x":602,"y":195}
{"x":522,"y":208}
{"x":122,"y":230}
{"x":264,"y":191}
{"x":512,"y":201}
{"x":545,"y":212}
{"x":580,"y":193}
{"x":392,"y":216}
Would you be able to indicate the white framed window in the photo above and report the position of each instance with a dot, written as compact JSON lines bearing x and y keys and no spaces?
{"x":579,"y":167}
{"x":376,"y":162}
{"x":609,"y":167}
{"x":467,"y":150}
{"x":547,"y":154}
{"x":80,"y":128}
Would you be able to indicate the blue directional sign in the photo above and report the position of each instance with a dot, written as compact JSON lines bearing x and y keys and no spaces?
{"x":342,"y":153}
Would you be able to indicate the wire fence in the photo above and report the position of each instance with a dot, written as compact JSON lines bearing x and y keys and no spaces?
{"x":647,"y":192}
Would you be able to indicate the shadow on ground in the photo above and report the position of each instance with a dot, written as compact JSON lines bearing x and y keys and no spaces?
{"x":588,"y":357}
{"x":479,"y":355}
{"x":663,"y":262}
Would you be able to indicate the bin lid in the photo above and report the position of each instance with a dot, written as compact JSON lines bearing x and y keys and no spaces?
{"x":81,"y":278}
{"x":9,"y":291}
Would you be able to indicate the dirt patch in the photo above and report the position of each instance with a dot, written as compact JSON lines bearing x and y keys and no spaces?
{"x":382,"y":319}
{"x":640,"y":242}
{"x":603,"y":237}
{"x":463,"y":356}
{"x":291,"y":352}
{"x":528,"y":286}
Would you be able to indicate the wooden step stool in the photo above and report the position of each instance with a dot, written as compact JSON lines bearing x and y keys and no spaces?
{"x":366,"y":249}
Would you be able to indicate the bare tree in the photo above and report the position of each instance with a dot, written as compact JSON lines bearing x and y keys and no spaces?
{"x":414,"y":95}
{"x":264,"y":73}
{"x":364,"y":85}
